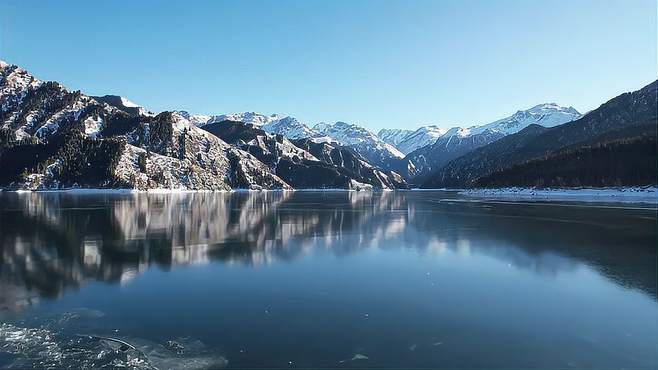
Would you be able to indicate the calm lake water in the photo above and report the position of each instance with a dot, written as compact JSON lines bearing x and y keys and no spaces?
{"x":324,"y":279}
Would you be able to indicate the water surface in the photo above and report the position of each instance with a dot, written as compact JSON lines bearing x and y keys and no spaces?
{"x":324,"y":279}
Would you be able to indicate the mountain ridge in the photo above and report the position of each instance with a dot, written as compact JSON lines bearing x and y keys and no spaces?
{"x":634,"y":112}
{"x":53,"y":138}
{"x":459,"y":141}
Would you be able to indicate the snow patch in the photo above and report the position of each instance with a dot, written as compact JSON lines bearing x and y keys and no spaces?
{"x":622,"y":195}
{"x":127,"y":103}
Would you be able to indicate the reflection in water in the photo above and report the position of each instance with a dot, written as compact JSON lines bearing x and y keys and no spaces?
{"x":335,"y":279}
{"x":54,"y":242}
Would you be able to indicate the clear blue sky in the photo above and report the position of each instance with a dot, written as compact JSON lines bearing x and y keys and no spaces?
{"x":379,"y":63}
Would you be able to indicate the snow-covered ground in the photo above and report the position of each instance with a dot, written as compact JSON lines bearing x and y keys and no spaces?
{"x":623,"y":195}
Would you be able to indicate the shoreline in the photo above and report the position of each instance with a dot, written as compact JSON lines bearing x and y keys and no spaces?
{"x":631,"y":194}
{"x":648,"y":194}
{"x":181,"y":191}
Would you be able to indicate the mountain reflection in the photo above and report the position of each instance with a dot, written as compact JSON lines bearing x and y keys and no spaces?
{"x":51,"y":242}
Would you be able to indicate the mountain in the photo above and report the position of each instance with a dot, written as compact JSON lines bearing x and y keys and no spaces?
{"x":123,"y":104}
{"x":453,"y":144}
{"x":295,"y":164}
{"x":288,"y":126}
{"x":195,"y":119}
{"x":625,"y":117}
{"x":406,"y":141}
{"x":423,"y":136}
{"x":347,"y":158}
{"x":625,"y":162}
{"x":459,"y":141}
{"x":545,"y":115}
{"x":365,"y":143}
{"x":393,"y":136}
{"x":51,"y":138}
{"x":252,"y":118}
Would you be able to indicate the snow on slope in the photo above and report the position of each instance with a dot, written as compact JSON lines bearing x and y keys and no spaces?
{"x":547,"y":115}
{"x":459,"y":140}
{"x":425,"y":135}
{"x":31,"y":107}
{"x":606,"y":195}
{"x":256,"y":119}
{"x":195,"y":119}
{"x":393,"y":136}
{"x":128,"y":103}
{"x":352,"y":135}
{"x":287,"y":126}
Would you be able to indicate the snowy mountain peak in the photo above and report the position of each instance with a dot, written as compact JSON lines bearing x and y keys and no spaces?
{"x":253,"y":118}
{"x":352,"y":134}
{"x":195,"y":119}
{"x":407,"y":140}
{"x":276,"y":124}
{"x":346,"y":133}
{"x":289,"y":127}
{"x":393,"y":136}
{"x":546,"y":114}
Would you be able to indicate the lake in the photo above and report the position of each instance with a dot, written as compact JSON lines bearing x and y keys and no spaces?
{"x":418,"y":279}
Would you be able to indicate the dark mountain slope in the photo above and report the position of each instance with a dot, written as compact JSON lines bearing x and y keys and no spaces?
{"x":459,"y":141}
{"x":299,"y":167}
{"x":351,"y":161}
{"x":430,"y":158}
{"x":623,"y":117}
{"x":626,"y":162}
{"x":122,"y":104}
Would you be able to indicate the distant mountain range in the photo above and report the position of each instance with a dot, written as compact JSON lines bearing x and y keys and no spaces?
{"x":52,"y":138}
{"x":406,"y":141}
{"x":625,"y":121}
{"x":458,"y":141}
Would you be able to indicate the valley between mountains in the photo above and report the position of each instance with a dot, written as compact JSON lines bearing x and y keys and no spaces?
{"x":53,"y":138}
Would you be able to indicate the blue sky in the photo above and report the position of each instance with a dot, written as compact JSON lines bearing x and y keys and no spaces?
{"x":379,"y":63}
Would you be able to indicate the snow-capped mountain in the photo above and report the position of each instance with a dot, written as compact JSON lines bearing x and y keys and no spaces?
{"x":458,"y":140}
{"x":393,"y":136}
{"x":407,"y":141}
{"x":612,"y":145}
{"x":367,"y":144}
{"x":546,"y":115}
{"x":52,"y":138}
{"x":195,"y":119}
{"x":296,"y":163}
{"x":253,"y":118}
{"x":289,"y":127}
{"x":351,"y":134}
{"x":276,"y":124}
{"x":31,"y":108}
